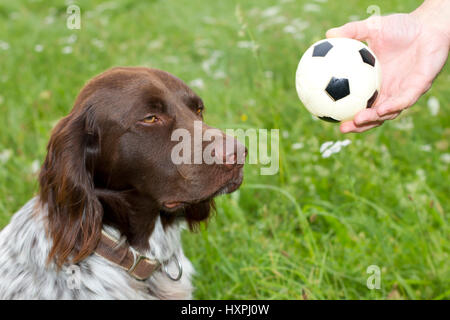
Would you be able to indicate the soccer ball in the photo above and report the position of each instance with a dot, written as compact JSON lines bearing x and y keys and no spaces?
{"x":338,"y":77}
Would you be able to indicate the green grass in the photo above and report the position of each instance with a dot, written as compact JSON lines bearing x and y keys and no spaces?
{"x":310,"y":231}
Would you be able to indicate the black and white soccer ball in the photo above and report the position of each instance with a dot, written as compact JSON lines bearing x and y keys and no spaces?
{"x":338,"y":77}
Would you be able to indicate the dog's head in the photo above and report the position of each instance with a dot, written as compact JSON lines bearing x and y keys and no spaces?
{"x":115,"y":159}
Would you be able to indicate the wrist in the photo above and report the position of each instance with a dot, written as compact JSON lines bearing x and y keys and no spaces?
{"x":434,"y":14}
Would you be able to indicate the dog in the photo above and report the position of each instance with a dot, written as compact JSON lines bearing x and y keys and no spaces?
{"x":111,"y":204}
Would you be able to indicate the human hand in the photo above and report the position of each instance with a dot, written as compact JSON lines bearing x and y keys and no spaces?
{"x":411,"y":52}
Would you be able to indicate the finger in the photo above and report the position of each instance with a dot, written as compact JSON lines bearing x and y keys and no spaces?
{"x":369,"y":126}
{"x":358,"y":30}
{"x":392,"y":106}
{"x":390,"y":116}
{"x":395,"y":105}
{"x":366,"y":116}
{"x":371,"y":115}
{"x":349,"y":126}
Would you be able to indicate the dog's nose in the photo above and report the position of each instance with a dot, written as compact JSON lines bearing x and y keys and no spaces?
{"x":232,"y":154}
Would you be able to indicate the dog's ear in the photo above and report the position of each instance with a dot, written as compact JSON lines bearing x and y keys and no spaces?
{"x":67,"y":187}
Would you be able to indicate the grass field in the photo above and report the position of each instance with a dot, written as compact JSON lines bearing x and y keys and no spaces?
{"x":310,"y":231}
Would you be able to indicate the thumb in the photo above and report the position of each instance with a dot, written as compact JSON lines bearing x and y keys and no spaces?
{"x":358,"y":30}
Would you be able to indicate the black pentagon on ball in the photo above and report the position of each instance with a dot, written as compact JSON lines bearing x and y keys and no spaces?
{"x":372,"y":99}
{"x":338,"y":88}
{"x":367,"y":57}
{"x":322,"y":49}
{"x":328,"y":119}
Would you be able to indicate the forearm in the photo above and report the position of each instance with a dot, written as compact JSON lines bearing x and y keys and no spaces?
{"x":435,"y":14}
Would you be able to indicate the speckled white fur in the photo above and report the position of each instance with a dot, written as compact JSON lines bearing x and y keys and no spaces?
{"x":24,"y":274}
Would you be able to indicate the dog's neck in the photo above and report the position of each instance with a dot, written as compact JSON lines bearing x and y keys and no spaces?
{"x":132,"y":214}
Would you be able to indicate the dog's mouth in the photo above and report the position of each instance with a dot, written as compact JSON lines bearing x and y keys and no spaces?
{"x":229,"y":187}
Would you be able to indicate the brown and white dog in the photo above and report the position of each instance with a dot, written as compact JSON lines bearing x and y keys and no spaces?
{"x":109,"y":172}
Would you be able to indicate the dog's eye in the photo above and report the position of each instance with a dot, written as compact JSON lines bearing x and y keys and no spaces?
{"x":199,"y":111}
{"x":150,"y":119}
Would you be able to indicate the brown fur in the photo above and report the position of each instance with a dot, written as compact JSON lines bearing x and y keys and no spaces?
{"x":104,"y":166}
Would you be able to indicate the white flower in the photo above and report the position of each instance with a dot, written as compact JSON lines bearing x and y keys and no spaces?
{"x":268,"y":74}
{"x":300,"y":24}
{"x":155,"y":44}
{"x":235,"y":196}
{"x":67,"y":50}
{"x":97,"y":43}
{"x":311,"y":7}
{"x":433,"y":106}
{"x":171,"y":59}
{"x":270,"y":12}
{"x":299,"y":36}
{"x":425,"y":148}
{"x":296,"y":26}
{"x":4,"y":45}
{"x":271,"y":21}
{"x":404,"y":124}
{"x":421,"y":174}
{"x":219,"y":74}
{"x":253,"y":12}
{"x":297,"y":146}
{"x":326,"y":154}
{"x":247,"y":45}
{"x":5,"y":155}
{"x":49,"y":20}
{"x":35,"y":166}
{"x":208,"y":63}
{"x":71,"y":39}
{"x":290,"y":29}
{"x":277,"y":20}
{"x":39,"y":48}
{"x":445,"y":158}
{"x":328,"y":148}
{"x":325,"y":145}
{"x":110,"y":5}
{"x":197,"y":83}
{"x":14,"y":16}
{"x":335,"y":148}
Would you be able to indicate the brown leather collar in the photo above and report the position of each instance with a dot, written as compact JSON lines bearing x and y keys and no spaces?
{"x":138,"y":266}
